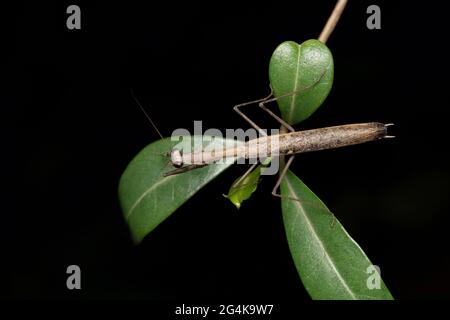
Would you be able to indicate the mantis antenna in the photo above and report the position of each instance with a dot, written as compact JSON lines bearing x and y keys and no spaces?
{"x":143,"y":110}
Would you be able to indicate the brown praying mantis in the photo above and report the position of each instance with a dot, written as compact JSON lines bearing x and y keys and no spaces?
{"x":290,"y":143}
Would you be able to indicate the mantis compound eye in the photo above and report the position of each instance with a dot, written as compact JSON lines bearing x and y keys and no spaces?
{"x":176,"y":158}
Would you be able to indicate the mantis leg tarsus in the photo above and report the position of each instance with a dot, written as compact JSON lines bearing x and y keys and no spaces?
{"x":280,"y":179}
{"x":245,"y":174}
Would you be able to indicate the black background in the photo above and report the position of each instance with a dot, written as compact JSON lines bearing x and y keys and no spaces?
{"x":75,"y":127}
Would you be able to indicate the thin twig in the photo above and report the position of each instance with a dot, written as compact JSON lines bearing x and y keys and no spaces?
{"x":332,"y":21}
{"x":282,"y":158}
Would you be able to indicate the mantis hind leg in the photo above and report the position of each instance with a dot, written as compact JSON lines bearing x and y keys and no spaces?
{"x":278,"y":183}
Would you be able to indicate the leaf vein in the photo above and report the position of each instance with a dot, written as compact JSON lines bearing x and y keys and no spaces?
{"x":314,"y":233}
{"x":144,"y":194}
{"x":295,"y":85}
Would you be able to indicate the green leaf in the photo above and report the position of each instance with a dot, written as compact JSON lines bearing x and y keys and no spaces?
{"x":245,"y":188}
{"x":241,"y":191}
{"x":307,"y":69}
{"x":147,"y":197}
{"x":330,"y":263}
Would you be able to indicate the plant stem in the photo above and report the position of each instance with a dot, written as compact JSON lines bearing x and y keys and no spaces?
{"x":332,"y":21}
{"x":282,"y":158}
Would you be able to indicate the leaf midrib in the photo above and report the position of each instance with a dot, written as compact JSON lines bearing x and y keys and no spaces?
{"x":144,"y":194}
{"x":313,"y":231}
{"x":295,"y":85}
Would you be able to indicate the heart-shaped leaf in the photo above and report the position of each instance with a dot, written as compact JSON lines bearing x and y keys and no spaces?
{"x":301,"y":77}
{"x":330,"y":263}
{"x":147,"y":197}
